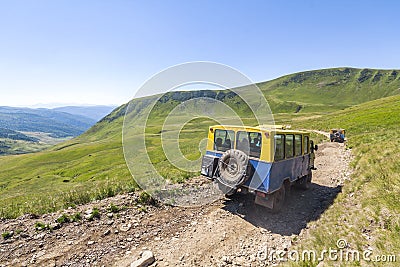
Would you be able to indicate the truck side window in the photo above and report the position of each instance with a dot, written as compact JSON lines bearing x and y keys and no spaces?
{"x":298,"y":143}
{"x":306,"y":146}
{"x":223,"y":140}
{"x":279,"y":147}
{"x":289,"y":148}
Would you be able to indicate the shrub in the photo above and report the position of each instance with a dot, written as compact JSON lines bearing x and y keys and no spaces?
{"x":63,"y":219}
{"x":42,"y":226}
{"x":95,"y":214}
{"x":7,"y":235}
{"x":113,"y":208}
{"x":142,"y":209}
{"x":76,"y":217}
{"x":145,"y":198}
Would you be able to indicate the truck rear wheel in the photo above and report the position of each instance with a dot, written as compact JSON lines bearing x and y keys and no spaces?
{"x":304,"y":182}
{"x":279,"y":199}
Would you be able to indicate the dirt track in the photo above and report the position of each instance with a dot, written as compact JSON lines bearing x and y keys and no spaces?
{"x":225,"y":233}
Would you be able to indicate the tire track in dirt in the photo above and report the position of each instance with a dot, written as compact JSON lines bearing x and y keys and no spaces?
{"x":237,"y":232}
{"x":225,"y":233}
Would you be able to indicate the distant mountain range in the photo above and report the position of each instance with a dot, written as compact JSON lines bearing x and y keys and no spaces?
{"x":57,"y":124}
{"x":22,"y":125}
{"x":14,"y":135}
{"x":93,"y":112}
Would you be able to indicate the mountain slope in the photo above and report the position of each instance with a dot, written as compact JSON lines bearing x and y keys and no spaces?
{"x":312,"y":91}
{"x":93,"y":164}
{"x":329,"y":89}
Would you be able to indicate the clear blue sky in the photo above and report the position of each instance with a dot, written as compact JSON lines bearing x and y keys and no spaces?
{"x":100,"y":52}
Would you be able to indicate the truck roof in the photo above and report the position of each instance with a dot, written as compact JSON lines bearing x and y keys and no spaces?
{"x":261,"y":128}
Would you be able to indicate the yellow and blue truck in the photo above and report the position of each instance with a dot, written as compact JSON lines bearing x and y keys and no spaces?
{"x":264,"y":160}
{"x":337,"y":135}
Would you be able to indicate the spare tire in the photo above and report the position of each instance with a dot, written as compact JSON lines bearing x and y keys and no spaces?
{"x":233,"y":166}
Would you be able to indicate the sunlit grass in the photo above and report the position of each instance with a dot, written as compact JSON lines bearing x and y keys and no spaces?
{"x":366,"y":213}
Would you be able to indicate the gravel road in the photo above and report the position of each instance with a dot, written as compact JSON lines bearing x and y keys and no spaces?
{"x":228,"y":232}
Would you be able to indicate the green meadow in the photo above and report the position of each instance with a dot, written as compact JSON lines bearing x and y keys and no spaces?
{"x":366,"y":213}
{"x":92,"y":166}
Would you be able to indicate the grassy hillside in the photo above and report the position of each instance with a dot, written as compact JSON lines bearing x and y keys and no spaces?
{"x":92,"y":166}
{"x":367,"y":211}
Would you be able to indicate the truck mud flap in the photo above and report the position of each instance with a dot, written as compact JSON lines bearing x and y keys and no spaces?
{"x":265,"y":201}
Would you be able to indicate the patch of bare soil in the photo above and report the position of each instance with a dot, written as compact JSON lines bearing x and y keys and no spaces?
{"x":228,"y":232}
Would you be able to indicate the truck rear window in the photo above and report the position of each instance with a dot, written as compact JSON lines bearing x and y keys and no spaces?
{"x":223,"y":140}
{"x":249,"y":143}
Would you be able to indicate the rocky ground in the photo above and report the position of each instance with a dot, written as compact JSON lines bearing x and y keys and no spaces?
{"x":228,"y":232}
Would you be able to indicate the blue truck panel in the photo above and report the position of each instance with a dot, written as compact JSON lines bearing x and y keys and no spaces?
{"x":268,"y":177}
